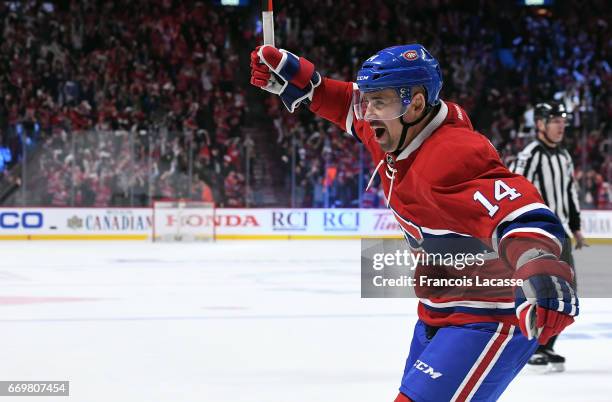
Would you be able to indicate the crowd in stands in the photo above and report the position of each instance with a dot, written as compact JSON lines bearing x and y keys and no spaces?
{"x":498,"y":59}
{"x":116,"y":100}
{"x":120,"y":103}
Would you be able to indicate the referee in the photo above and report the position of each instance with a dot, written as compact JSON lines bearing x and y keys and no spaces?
{"x":546,"y":164}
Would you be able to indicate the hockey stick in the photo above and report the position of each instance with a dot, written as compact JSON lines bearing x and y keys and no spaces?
{"x":267,"y":19}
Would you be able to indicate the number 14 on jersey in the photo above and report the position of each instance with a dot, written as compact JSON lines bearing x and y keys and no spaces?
{"x":502,"y":190}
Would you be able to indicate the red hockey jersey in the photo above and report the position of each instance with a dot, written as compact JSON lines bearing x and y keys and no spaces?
{"x":450,"y":183}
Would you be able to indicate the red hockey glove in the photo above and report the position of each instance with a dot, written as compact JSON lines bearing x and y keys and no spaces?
{"x":284,"y":74}
{"x":546,"y":302}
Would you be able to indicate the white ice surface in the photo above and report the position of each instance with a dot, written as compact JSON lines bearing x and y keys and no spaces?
{"x":234,"y":321}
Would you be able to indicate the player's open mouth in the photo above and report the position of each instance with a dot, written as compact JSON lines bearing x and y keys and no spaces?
{"x":379,"y":132}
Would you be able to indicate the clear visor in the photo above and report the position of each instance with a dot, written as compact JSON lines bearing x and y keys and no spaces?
{"x":378,"y":105}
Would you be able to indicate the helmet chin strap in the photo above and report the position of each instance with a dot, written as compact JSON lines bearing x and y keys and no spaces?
{"x":406,"y":126}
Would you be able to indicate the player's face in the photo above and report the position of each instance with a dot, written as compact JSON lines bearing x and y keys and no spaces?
{"x":388,"y":132}
{"x":377,"y":108}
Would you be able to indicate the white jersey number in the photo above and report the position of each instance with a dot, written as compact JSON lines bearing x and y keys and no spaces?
{"x":502,"y":190}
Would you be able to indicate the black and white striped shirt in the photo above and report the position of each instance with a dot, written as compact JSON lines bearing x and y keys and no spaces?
{"x":551,"y":170}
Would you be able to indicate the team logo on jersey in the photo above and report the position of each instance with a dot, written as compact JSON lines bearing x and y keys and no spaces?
{"x":410,"y":55}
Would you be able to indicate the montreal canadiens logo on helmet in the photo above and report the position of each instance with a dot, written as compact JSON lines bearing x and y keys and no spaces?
{"x":410,"y":55}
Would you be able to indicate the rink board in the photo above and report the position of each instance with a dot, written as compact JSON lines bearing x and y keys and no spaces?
{"x":229,"y":224}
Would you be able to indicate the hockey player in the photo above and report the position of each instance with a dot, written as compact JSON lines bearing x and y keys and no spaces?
{"x":549,"y":166}
{"x":443,"y":180}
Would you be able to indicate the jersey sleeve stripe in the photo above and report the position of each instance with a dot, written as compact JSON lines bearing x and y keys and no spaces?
{"x":541,"y":222}
{"x":542,"y":219}
{"x":537,"y":230}
{"x":495,"y":235}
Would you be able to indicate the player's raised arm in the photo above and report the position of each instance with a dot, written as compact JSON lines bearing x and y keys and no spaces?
{"x":296,"y":81}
